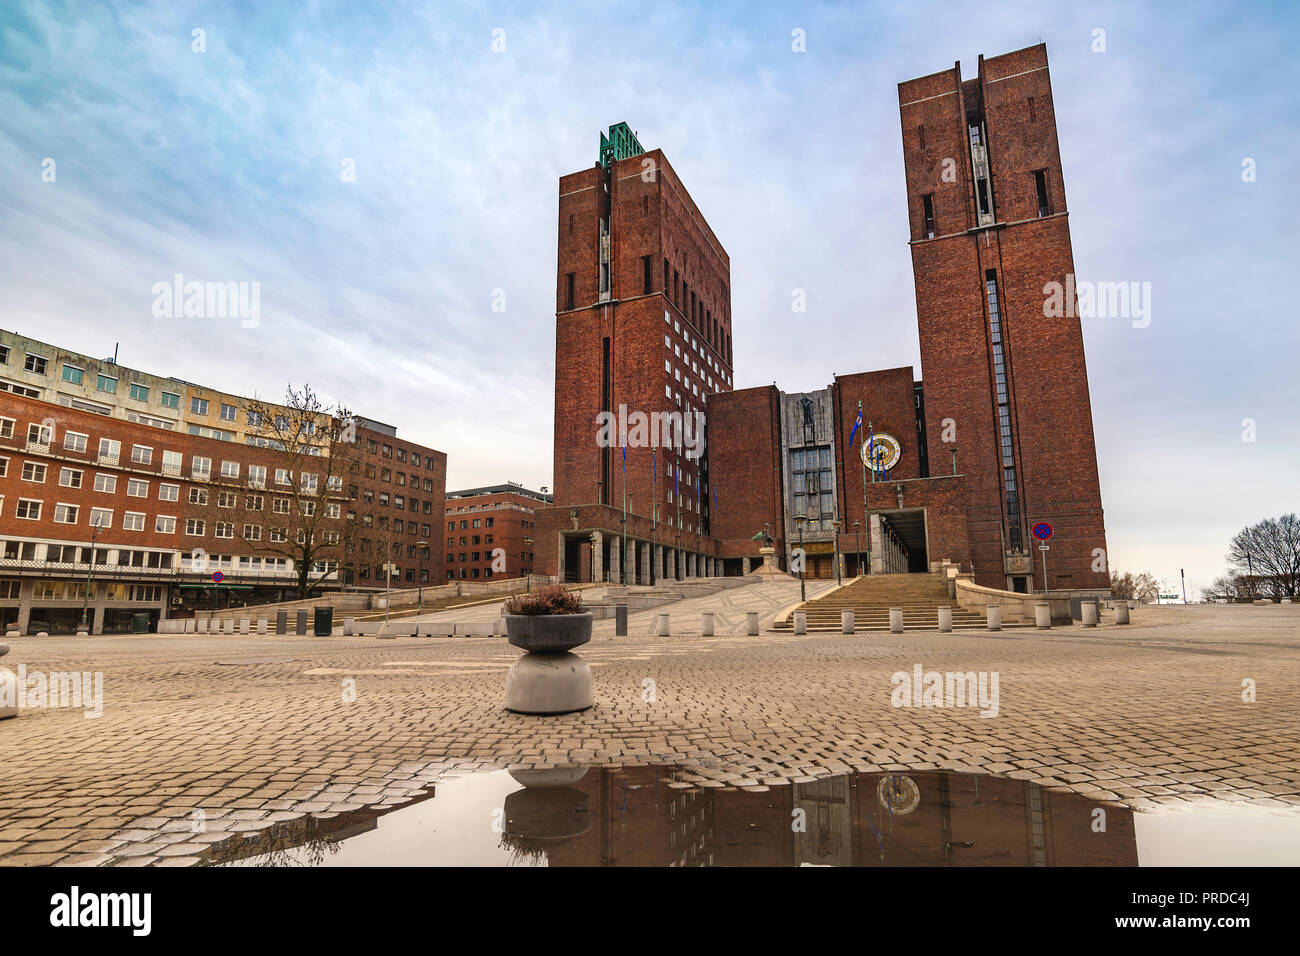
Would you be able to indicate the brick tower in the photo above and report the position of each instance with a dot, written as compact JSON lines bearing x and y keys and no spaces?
{"x":1005,"y":384}
{"x":642,"y":327}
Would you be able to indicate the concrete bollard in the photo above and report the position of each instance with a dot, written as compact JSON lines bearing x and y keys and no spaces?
{"x":1089,"y":610}
{"x":349,"y":626}
{"x":620,"y":620}
{"x":945,"y":619}
{"x":1043,"y":616}
{"x":200,"y":625}
{"x":846,"y":620}
{"x":706,"y":623}
{"x":282,"y":622}
{"x":995,"y":617}
{"x":261,"y":625}
{"x":751,"y":623}
{"x":895,"y":620}
{"x":243,"y":625}
{"x":801,"y":622}
{"x":661,"y":625}
{"x":1121,"y":612}
{"x":230,"y":625}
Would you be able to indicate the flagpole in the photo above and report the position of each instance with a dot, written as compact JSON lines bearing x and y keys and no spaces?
{"x":866,"y":516}
{"x":624,"y":561}
{"x":654,"y":518}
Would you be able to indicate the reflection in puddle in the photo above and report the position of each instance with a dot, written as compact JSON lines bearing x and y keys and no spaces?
{"x":651,"y":816}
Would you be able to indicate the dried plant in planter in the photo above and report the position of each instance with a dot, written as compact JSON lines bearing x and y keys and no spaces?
{"x":547,"y":600}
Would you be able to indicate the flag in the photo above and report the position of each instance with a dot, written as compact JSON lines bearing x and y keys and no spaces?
{"x":871,"y":449}
{"x":857,"y":423}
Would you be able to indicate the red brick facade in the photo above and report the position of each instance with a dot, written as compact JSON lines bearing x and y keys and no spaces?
{"x":989,"y":229}
{"x":1023,"y":245}
{"x":479,"y":521}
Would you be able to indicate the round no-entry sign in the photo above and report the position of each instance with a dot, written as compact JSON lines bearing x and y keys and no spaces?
{"x":1042,"y":531}
{"x":218,"y":576}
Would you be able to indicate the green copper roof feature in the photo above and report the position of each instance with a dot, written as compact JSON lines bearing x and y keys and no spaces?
{"x":620,"y":144}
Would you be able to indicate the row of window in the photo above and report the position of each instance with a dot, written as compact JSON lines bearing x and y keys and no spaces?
{"x":700,"y":317}
{"x":1041,"y":195}
{"x":388,"y":451}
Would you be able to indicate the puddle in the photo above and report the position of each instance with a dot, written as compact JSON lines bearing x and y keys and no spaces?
{"x":653,"y":816}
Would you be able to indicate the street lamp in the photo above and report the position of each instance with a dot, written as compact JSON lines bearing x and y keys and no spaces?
{"x":799,"y":521}
{"x":90,"y":564}
{"x":420,"y":548}
{"x":835,"y":529}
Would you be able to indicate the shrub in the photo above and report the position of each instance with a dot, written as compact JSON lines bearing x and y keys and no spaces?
{"x":547,"y":600}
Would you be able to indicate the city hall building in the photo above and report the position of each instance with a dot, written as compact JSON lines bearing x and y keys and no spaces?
{"x":957,"y":466}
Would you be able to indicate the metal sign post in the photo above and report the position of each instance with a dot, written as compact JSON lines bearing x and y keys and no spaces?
{"x":1042,"y":531}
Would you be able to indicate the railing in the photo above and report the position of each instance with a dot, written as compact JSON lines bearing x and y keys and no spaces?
{"x":38,"y":447}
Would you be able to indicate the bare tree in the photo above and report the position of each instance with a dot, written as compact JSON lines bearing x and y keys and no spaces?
{"x":1126,"y":585}
{"x":1268,"y":554}
{"x":297,"y":506}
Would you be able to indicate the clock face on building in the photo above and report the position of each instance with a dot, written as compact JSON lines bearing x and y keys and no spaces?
{"x":898,"y":793}
{"x":887,"y":451}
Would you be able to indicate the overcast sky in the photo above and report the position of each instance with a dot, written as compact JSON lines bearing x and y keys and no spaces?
{"x":228,"y":165}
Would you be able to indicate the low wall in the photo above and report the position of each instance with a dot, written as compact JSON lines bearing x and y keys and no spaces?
{"x":1015,"y":606}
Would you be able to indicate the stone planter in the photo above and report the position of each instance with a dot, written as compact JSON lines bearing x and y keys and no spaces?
{"x":548,"y":679}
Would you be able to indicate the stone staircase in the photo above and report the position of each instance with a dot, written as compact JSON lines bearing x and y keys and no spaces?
{"x":919,"y":595}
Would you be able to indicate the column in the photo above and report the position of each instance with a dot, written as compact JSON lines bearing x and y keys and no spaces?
{"x":659,"y":563}
{"x":679,"y":563}
{"x":645,"y":562}
{"x":745,"y":565}
{"x":597,"y":558}
{"x":629,"y":566}
{"x":615,"y":560}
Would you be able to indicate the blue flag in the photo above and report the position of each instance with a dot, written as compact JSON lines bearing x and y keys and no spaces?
{"x":856,"y":425}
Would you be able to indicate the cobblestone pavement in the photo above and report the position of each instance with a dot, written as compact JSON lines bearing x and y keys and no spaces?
{"x":256,"y":731}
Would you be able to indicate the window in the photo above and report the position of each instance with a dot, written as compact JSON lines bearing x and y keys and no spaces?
{"x":139,"y":392}
{"x":195,"y":527}
{"x":171,"y":400}
{"x":72,"y":374}
{"x":282,"y":476}
{"x":106,"y":483}
{"x":227,"y":499}
{"x":198,"y":496}
{"x":168,"y":492}
{"x":35,"y":363}
{"x":29,"y":509}
{"x":65,"y":514}
{"x":110,"y":450}
{"x":200,"y":467}
{"x":33,"y":472}
{"x":74,"y":442}
{"x":280,"y":506}
{"x":227,"y":412}
{"x":568,"y":298}
{"x":171,"y":462}
{"x":164,"y":524}
{"x":136,"y":488}
{"x":106,"y":383}
{"x":230,"y":469}
{"x":1040,"y":187}
{"x":257,"y":476}
{"x":101,"y":517}
{"x":647,"y":275}
{"x":133,"y":521}
{"x":38,"y":434}
{"x":928,"y":202}
{"x":4,"y":467}
{"x":7,"y":427}
{"x":199,"y":406}
{"x":252,"y":532}
{"x":253,"y":502}
{"x":141,"y":455}
{"x":70,"y":477}
{"x":224,"y":529}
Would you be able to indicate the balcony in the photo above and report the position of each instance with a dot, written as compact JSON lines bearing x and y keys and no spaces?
{"x":108,"y":459}
{"x":37,"y":447}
